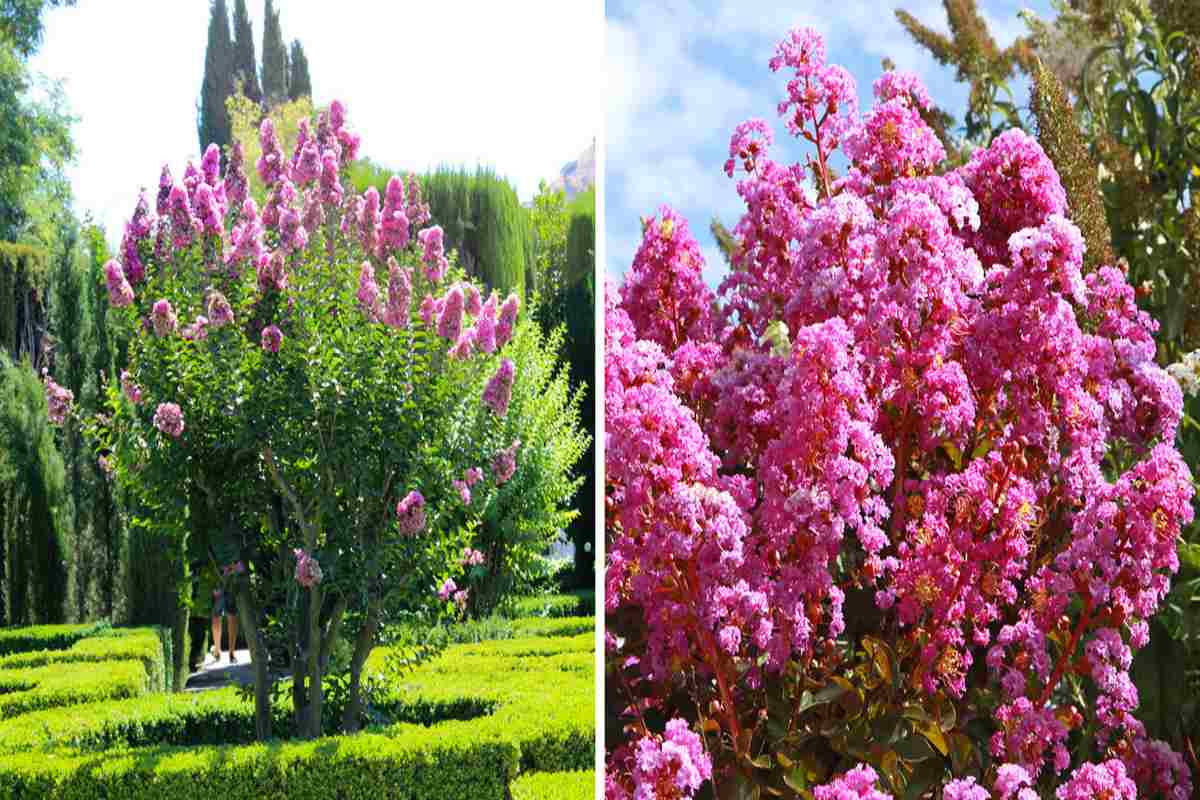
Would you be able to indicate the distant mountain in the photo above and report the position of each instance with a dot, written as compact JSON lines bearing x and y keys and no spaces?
{"x":578,"y":175}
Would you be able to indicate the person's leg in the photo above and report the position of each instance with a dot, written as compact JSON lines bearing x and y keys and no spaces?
{"x":232,"y":636}
{"x":215,"y":650}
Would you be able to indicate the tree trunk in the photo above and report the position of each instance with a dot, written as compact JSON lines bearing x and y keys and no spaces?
{"x":248,"y":616}
{"x":316,"y":691}
{"x":363,"y":644}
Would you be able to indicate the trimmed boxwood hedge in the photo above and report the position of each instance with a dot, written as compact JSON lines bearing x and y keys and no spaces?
{"x":461,"y":762}
{"x":119,"y":644}
{"x":581,"y":603}
{"x":539,"y":692}
{"x":45,"y":637}
{"x":555,"y":786}
{"x":25,"y":690}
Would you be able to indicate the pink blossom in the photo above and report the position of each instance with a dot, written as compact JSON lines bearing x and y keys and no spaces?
{"x":464,"y":491}
{"x":220,"y":313}
{"x":130,"y":388}
{"x":394,"y":222}
{"x":58,"y":399}
{"x":410,"y":512}
{"x":450,"y":320}
{"x":163,"y":317}
{"x":448,"y":587}
{"x":120,"y":293}
{"x":472,"y":557}
{"x":507,"y":321}
{"x":498,"y":392}
{"x":399,"y":295}
{"x":308,"y":571}
{"x":432,"y":253}
{"x":168,"y":418}
{"x":505,"y":463}
{"x":272,"y":337}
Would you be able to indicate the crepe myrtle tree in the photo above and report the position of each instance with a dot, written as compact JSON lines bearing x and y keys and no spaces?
{"x":890,"y":518}
{"x":321,"y":363}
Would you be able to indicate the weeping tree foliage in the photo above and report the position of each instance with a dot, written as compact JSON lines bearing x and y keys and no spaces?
{"x":219,"y":66}
{"x":33,"y":540}
{"x":299,"y":82}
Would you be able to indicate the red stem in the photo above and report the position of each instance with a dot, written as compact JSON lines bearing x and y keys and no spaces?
{"x":1085,"y":620}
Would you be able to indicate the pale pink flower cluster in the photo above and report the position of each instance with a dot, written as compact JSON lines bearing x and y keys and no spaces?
{"x":308,"y":571}
{"x":410,"y":513}
{"x":58,"y":399}
{"x":472,"y":557}
{"x":504,"y":466}
{"x":168,"y":418}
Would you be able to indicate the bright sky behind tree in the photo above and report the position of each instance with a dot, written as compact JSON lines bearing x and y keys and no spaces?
{"x":513,"y":86}
{"x":683,"y":73}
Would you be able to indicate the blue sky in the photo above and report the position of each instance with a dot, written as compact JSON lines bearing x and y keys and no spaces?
{"x":683,"y":73}
{"x":454,"y":81}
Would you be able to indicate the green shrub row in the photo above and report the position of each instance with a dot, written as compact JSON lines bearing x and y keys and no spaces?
{"x":575,"y":604}
{"x":555,"y":626}
{"x":580,"y":785}
{"x":461,"y":762}
{"x":537,"y":698}
{"x":441,"y":690}
{"x":119,"y":644}
{"x":45,"y":637}
{"x":25,"y":690}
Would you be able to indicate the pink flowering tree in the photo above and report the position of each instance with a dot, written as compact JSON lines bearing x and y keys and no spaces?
{"x":888,"y":516}
{"x":317,"y":383}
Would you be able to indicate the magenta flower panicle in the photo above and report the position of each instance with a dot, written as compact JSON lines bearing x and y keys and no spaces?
{"x":498,"y":392}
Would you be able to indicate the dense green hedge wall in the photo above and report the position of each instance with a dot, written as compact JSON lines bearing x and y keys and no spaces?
{"x":474,"y":717}
{"x":576,"y":604}
{"x":45,"y":637}
{"x":580,"y":785}
{"x":25,"y":690}
{"x":141,"y":644}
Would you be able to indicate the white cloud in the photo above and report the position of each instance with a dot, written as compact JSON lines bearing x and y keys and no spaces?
{"x":513,"y":86}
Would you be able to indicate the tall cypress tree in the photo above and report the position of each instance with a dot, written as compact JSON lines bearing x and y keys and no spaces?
{"x":245,"y":65}
{"x":274,"y":58}
{"x":300,"y":84}
{"x":213,"y":125}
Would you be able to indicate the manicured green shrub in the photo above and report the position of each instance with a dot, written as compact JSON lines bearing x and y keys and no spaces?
{"x":45,"y":637}
{"x":580,"y":785}
{"x":462,"y":762}
{"x":25,"y":690}
{"x":192,"y":718}
{"x":527,"y":702}
{"x":124,"y":644}
{"x":561,"y":626}
{"x":580,"y":603}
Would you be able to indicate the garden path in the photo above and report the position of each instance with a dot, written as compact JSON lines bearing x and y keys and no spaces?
{"x":215,"y":674}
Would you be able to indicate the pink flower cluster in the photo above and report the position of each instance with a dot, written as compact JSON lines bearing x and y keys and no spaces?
{"x":472,"y":557}
{"x":906,"y":385}
{"x":308,"y":571}
{"x":857,"y":784}
{"x":504,"y":466}
{"x":668,"y":767}
{"x":410,"y":513}
{"x":497,"y":394}
{"x":58,"y":399}
{"x":168,"y":418}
